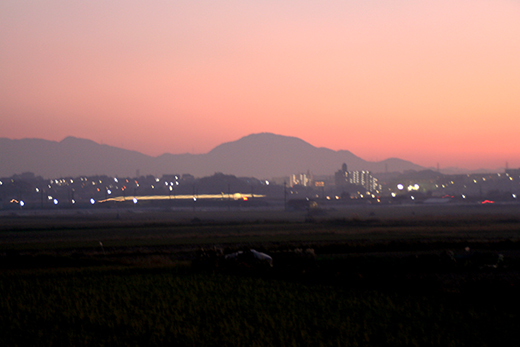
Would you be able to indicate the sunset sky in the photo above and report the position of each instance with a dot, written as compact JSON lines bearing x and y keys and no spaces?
{"x":432,"y":82}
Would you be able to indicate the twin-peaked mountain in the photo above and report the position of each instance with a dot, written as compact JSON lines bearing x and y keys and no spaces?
{"x":262,"y":155}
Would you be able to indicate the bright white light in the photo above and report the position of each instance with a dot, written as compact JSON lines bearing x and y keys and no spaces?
{"x":177,"y":183}
{"x":157,"y":180}
{"x":400,"y":186}
{"x":165,"y":183}
{"x":55,"y":201}
{"x":115,"y":180}
{"x":73,"y":201}
{"x":109,"y":192}
{"x":92,"y":201}
{"x":1,"y":183}
{"x":514,"y":196}
{"x":266,"y":183}
{"x":412,"y":197}
{"x":171,"y":188}
{"x":22,"y":203}
{"x":463,"y":196}
{"x":134,"y":200}
{"x":416,"y":186}
{"x":171,"y":183}
{"x":37,"y":190}
{"x":393,"y":195}
{"x":194,"y":199}
{"x":49,"y":197}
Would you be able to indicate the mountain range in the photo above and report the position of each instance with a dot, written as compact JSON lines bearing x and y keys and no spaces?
{"x":262,"y":155}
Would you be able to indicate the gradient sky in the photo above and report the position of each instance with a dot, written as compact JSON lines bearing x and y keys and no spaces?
{"x":428,"y":81}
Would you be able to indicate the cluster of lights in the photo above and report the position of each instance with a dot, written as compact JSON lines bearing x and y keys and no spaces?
{"x":400,"y":186}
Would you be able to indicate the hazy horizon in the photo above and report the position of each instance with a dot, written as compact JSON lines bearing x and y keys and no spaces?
{"x":498,"y":168}
{"x":428,"y":82}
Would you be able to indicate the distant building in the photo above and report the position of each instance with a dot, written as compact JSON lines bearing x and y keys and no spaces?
{"x":361,"y":178}
{"x":301,"y":179}
{"x":341,"y":177}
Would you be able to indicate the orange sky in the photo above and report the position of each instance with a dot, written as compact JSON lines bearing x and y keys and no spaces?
{"x":427,"y":81}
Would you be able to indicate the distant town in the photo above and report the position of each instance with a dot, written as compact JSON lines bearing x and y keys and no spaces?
{"x":298,"y":191}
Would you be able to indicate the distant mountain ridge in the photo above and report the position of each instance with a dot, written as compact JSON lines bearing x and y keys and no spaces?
{"x":263,"y":155}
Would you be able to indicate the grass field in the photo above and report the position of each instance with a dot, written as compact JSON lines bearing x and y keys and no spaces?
{"x":175,"y":306}
{"x":400,"y":277}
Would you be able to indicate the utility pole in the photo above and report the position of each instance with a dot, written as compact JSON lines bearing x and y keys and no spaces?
{"x":285,"y":195}
{"x":229,"y":196}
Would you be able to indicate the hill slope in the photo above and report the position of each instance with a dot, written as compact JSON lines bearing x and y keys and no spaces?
{"x":263,"y":155}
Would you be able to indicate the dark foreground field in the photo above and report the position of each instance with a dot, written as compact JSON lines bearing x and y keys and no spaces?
{"x":364,"y":277}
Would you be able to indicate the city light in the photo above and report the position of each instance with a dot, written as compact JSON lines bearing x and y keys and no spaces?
{"x":109,"y":192}
{"x":92,"y":201}
{"x":22,"y":203}
{"x":400,"y":186}
{"x":134,"y":200}
{"x":55,"y":201}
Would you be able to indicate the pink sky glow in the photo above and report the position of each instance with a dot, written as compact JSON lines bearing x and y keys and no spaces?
{"x":426,"y":81}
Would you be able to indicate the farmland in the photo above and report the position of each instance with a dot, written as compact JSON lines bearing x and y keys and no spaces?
{"x":378,"y":276}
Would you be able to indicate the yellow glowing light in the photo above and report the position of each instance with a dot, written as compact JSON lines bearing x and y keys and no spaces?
{"x":181,"y":197}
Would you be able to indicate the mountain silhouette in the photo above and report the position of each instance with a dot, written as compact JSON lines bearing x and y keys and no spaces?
{"x":263,"y":155}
